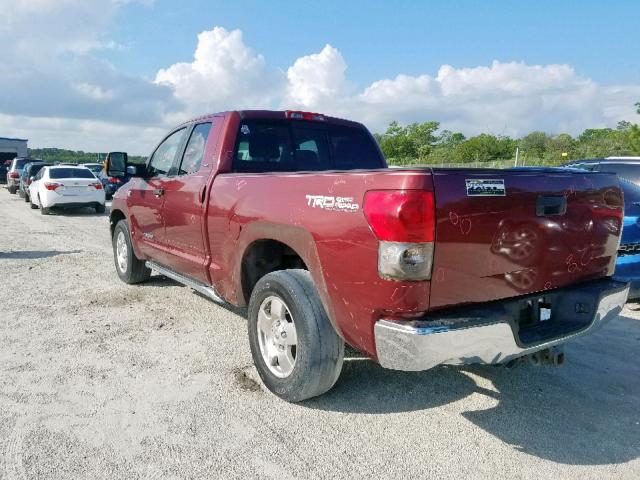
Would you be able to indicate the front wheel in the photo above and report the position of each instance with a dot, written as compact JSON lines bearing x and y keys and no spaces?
{"x":129,"y":267}
{"x":296,"y":350}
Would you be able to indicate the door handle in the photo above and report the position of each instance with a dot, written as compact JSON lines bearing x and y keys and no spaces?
{"x":158,"y":192}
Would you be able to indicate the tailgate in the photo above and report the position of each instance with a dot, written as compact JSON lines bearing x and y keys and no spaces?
{"x":505,"y":233}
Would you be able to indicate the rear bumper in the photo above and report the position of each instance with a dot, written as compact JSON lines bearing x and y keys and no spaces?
{"x":490,"y":334}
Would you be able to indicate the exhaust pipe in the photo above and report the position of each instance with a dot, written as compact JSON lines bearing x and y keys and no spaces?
{"x":553,"y":356}
{"x":550,"y":356}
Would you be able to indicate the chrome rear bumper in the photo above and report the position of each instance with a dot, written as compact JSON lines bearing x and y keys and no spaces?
{"x":423,"y":344}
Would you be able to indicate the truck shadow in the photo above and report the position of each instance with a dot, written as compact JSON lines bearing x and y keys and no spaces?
{"x":34,"y":254}
{"x":585,"y":413}
{"x":79,"y":212}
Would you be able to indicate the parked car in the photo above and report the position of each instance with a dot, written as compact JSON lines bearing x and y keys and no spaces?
{"x":15,"y":170}
{"x":295,"y":215}
{"x":29,"y":171}
{"x":628,"y":263}
{"x":96,"y":168}
{"x":111,"y":184}
{"x":624,"y":167}
{"x":4,"y":168}
{"x":66,"y":187}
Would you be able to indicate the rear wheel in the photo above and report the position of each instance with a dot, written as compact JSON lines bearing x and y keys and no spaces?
{"x":100,"y":208}
{"x":295,"y":349}
{"x":26,"y":197}
{"x":32,"y":205}
{"x":45,"y":210}
{"x":129,"y":267}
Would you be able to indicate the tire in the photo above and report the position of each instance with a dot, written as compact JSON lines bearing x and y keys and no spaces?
{"x":20,"y":193}
{"x":319,"y":351}
{"x":26,"y":198}
{"x":32,"y":205}
{"x":100,"y":208}
{"x":133,"y":270}
{"x":12,"y":190}
{"x":45,"y":210}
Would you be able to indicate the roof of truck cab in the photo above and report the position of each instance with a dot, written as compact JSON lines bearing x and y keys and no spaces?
{"x":269,"y":115}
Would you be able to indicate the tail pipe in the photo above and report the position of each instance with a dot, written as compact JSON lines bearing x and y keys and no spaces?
{"x":553,"y":356}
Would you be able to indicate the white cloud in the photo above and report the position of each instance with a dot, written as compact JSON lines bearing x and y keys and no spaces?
{"x":63,"y":94}
{"x":224,"y":74}
{"x":317,"y":80}
{"x":508,"y":98}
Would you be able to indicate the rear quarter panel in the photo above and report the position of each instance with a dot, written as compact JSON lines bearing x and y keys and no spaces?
{"x":336,"y":244}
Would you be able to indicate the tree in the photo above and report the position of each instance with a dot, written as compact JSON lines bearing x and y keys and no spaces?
{"x":534,"y":145}
{"x":485,"y":147}
{"x":634,"y":139}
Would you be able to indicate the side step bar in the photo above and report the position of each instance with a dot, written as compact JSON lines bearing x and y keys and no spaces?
{"x":205,"y":290}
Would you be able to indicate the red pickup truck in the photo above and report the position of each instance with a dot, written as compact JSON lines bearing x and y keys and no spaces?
{"x":296,"y":215}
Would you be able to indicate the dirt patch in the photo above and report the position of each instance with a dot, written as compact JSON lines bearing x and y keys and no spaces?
{"x":243,"y":379}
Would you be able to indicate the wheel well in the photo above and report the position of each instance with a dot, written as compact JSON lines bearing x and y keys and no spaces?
{"x":114,"y":218}
{"x":266,"y":256}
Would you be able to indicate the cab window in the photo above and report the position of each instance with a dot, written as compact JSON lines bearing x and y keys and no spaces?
{"x":193,"y":153}
{"x":165,"y":155}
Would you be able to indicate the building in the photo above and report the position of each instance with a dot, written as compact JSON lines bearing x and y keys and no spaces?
{"x":11,"y":148}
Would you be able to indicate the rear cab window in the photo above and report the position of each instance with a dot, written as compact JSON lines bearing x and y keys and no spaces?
{"x":19,"y":163}
{"x":300,"y":145}
{"x":627,"y":171}
{"x":62,"y":172}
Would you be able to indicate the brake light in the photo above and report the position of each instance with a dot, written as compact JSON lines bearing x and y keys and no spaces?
{"x":52,"y":185}
{"x":29,"y":181}
{"x":297,"y":115}
{"x":401,"y":215}
{"x":113,"y":180}
{"x":96,"y":185}
{"x":14,"y":174}
{"x":404,"y":222}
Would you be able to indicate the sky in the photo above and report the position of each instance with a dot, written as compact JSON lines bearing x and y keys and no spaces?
{"x":100,"y":75}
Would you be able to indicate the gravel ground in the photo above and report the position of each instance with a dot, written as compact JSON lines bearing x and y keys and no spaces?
{"x":103,"y":380}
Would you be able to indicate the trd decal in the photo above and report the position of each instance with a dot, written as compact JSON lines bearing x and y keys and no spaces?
{"x":333,"y":204}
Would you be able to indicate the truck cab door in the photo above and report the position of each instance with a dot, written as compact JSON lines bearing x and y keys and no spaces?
{"x":185,"y":196}
{"x":146,"y":197}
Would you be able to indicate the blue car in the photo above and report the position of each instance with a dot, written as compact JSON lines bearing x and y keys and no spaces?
{"x":628,"y":264}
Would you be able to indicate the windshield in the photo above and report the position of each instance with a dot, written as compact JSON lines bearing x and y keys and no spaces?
{"x":97,"y":168}
{"x":274,"y":145}
{"x":70,"y":173}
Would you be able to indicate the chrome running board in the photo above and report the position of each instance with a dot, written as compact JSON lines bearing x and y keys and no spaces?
{"x":205,"y":290}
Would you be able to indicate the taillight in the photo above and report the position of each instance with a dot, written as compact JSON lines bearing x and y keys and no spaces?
{"x":52,"y":185}
{"x":401,"y":215}
{"x":113,"y":180}
{"x":96,"y":185}
{"x":29,"y":181}
{"x":14,"y":174}
{"x":404,"y":222}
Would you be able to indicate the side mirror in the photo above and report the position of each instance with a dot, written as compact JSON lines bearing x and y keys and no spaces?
{"x":116,"y":164}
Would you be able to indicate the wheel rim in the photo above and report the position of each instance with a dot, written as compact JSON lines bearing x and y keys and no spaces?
{"x":277,"y":336}
{"x":122,"y":253}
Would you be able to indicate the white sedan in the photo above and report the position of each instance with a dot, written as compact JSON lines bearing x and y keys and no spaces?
{"x":66,"y":187}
